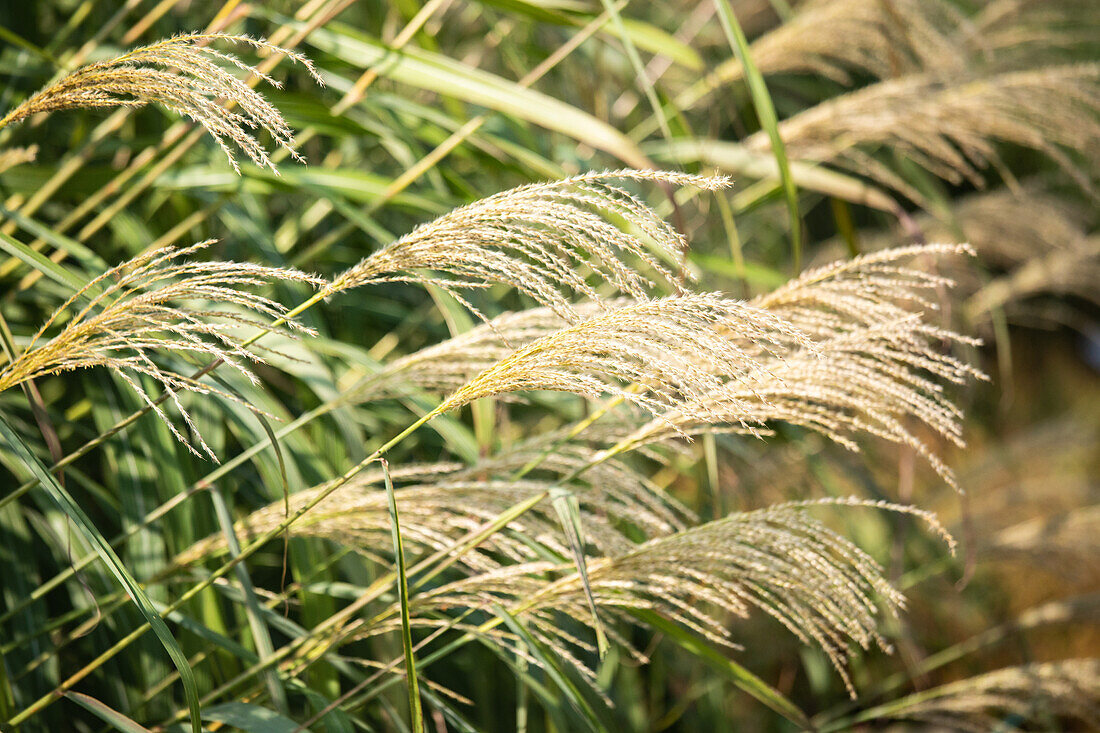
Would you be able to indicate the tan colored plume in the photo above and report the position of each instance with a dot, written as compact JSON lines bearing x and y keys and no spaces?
{"x":440,"y":502}
{"x":1040,"y":693}
{"x":676,"y":349}
{"x":779,"y":561}
{"x":541,"y":239}
{"x":186,"y":75}
{"x":124,"y":318}
{"x":876,"y":365}
{"x":952,"y":125}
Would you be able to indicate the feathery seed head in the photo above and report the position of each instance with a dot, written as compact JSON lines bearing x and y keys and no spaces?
{"x":130,"y":313}
{"x":778,"y":560}
{"x":439,"y":502}
{"x":186,"y":75}
{"x":833,"y":38}
{"x":951,"y":124}
{"x":541,"y":239}
{"x":1038,"y":693}
{"x":875,"y":364}
{"x":677,"y":349}
{"x":448,"y":365}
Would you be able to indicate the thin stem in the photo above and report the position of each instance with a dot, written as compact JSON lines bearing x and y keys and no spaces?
{"x":226,"y":567}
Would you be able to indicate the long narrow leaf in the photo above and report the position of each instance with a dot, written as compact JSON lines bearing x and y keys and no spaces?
{"x":741,"y":677}
{"x":446,"y":76}
{"x":39,"y":262}
{"x":569,"y":514}
{"x":106,"y":713}
{"x":550,"y":666}
{"x":416,"y":713}
{"x":13,"y":442}
{"x":765,"y":112}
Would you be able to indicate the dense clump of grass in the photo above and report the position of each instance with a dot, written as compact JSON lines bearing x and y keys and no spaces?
{"x":576,"y":412}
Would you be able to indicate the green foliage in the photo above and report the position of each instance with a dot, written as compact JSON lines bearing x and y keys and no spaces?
{"x":556,"y":557}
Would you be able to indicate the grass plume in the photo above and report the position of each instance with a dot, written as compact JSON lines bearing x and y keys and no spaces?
{"x":678,"y":349}
{"x":1040,"y":693}
{"x":132,"y":313}
{"x":875,"y":363}
{"x":541,"y":239}
{"x":951,"y":126}
{"x":779,"y":561}
{"x":441,"y":501}
{"x":188,"y":76}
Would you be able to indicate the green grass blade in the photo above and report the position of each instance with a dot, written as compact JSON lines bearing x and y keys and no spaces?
{"x":443,"y":75}
{"x":761,"y":276}
{"x":539,"y":653}
{"x":72,"y":510}
{"x":260,"y":634}
{"x":251,"y":718}
{"x":7,"y":698}
{"x":639,"y":68}
{"x":58,"y":241}
{"x":6,"y":34}
{"x":741,"y":677}
{"x":40,"y":262}
{"x":656,"y":40}
{"x":106,"y":713}
{"x":416,"y":713}
{"x":569,"y":513}
{"x":769,"y":121}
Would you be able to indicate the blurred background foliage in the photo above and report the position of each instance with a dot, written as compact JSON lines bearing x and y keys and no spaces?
{"x":903,"y":121}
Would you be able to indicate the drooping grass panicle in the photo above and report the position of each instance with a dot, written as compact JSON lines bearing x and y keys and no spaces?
{"x":677,"y":349}
{"x":876,"y":364}
{"x":186,"y":75}
{"x":127,"y":316}
{"x":872,"y":288}
{"x":844,"y":40}
{"x":449,"y":364}
{"x":952,"y":125}
{"x":1015,"y":34}
{"x":779,"y":560}
{"x":834,"y":38}
{"x":1031,"y":242}
{"x":1062,"y":542}
{"x":1041,"y":693}
{"x":541,"y":239}
{"x":559,"y":456}
{"x":440,"y":502}
{"x":1035,"y":243}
